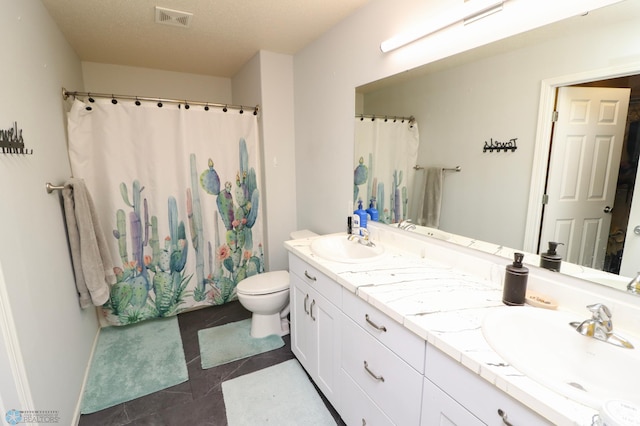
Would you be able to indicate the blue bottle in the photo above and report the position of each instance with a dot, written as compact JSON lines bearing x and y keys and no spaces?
{"x":372,"y":211}
{"x":362,"y":214}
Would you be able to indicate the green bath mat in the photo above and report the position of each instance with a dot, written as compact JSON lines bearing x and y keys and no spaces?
{"x":132,"y":361}
{"x":233,"y":341}
{"x":280,"y":395}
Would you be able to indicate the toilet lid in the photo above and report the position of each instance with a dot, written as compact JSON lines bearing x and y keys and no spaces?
{"x":265,"y":283}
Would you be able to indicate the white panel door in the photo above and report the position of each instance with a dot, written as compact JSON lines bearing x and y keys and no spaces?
{"x":583,"y":172}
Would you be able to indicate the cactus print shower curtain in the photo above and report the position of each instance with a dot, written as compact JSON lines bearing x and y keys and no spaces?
{"x":385,"y":153}
{"x":177,"y":193}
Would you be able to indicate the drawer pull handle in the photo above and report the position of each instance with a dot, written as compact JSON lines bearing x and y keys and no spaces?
{"x":374,"y":325}
{"x":306,"y":299}
{"x":311,"y":277}
{"x":504,"y":417}
{"x":372,"y":374}
{"x":313,"y":302}
{"x":364,"y":423}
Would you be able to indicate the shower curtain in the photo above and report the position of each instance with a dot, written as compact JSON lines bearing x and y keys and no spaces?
{"x":385,"y":153}
{"x":177,"y":194}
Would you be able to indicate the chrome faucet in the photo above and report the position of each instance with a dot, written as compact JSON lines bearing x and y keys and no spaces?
{"x":363,"y":238}
{"x":406,"y":224}
{"x":634,"y":285}
{"x":600,"y":326}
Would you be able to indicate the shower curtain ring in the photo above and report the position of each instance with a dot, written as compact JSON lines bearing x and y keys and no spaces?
{"x":361,"y":117}
{"x":90,"y":98}
{"x":186,"y":105}
{"x":159,"y":103}
{"x":241,"y":110}
{"x":224,"y":109}
{"x":113,"y":100}
{"x":206,"y":107}
{"x":255,"y":111}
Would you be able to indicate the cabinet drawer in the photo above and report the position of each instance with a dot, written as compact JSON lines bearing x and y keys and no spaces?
{"x":358,"y":409}
{"x":476,"y":394}
{"x":438,"y":408}
{"x":391,"y":383}
{"x":384,"y":329}
{"x":316,"y":280}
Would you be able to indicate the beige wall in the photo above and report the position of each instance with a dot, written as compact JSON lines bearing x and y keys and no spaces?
{"x":45,"y":331}
{"x":124,"y":80}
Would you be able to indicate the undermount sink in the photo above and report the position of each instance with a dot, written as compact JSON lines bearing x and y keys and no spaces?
{"x":543,"y":346}
{"x":338,"y":248}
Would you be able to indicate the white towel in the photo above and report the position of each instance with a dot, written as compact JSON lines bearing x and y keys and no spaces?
{"x":432,"y":197}
{"x":89,"y":252}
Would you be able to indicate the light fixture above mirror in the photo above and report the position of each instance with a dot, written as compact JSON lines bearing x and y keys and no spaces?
{"x":466,"y":13}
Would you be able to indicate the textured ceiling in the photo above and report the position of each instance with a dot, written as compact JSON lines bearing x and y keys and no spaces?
{"x":223,"y":35}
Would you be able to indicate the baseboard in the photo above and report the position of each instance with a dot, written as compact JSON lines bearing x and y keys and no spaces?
{"x":76,"y":413}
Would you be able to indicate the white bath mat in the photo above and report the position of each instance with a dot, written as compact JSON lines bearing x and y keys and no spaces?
{"x":281,"y":395}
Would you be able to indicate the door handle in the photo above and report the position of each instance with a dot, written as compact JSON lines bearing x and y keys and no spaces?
{"x":306,"y":299}
{"x":636,"y":230}
{"x":608,"y":209}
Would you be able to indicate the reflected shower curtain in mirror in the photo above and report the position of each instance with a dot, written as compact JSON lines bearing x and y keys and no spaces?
{"x":176,"y":191}
{"x":385,"y":153}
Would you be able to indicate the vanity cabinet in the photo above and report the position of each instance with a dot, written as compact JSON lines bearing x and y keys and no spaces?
{"x":377,"y":358}
{"x":375,"y":372}
{"x":315,"y":326}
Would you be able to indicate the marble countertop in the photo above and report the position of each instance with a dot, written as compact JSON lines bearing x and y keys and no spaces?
{"x":445,"y":306}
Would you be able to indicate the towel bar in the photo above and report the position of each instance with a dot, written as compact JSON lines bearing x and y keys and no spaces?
{"x":444,"y":169}
{"x":50,"y":187}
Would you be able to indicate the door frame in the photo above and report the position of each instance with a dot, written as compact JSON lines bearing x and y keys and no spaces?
{"x":544,"y":130}
{"x":17,"y":386}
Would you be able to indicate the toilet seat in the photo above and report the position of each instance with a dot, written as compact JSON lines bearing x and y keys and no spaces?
{"x":265,"y":283}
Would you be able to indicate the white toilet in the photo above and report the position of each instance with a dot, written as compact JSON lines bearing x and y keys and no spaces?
{"x":266,"y":295}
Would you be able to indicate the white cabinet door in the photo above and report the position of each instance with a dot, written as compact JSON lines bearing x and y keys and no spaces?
{"x":326,"y":331}
{"x":439,"y":409}
{"x":301,"y":333}
{"x":315,"y":330}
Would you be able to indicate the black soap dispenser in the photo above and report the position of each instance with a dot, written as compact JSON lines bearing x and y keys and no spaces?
{"x":551,"y":259}
{"x":515,"y":282}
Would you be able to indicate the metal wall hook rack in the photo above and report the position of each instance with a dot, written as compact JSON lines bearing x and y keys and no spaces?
{"x":500,"y":146}
{"x":12,"y":142}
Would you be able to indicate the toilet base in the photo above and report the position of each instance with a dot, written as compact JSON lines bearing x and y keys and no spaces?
{"x":265,"y":325}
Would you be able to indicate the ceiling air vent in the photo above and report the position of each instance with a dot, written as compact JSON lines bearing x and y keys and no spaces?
{"x":173,"y":17}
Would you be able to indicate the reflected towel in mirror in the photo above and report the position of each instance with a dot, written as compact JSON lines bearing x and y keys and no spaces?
{"x":432,"y":197}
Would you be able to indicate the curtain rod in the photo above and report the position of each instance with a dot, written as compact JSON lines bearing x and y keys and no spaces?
{"x":373,"y":117}
{"x":187,"y":103}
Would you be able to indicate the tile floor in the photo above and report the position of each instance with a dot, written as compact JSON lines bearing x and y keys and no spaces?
{"x":198,"y":401}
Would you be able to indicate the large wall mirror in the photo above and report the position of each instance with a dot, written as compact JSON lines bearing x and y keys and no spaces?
{"x":504,"y":95}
